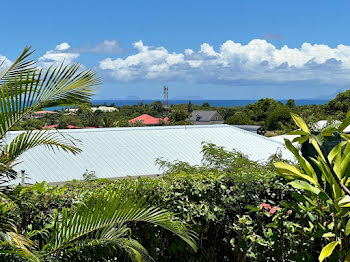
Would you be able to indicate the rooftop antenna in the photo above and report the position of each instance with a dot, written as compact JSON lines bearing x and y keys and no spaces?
{"x":165,"y":103}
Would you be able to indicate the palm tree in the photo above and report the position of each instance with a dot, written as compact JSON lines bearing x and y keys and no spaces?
{"x":25,"y":88}
{"x":100,"y":222}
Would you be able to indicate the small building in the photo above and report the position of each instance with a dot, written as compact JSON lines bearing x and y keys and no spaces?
{"x":260,"y":130}
{"x":147,"y":120}
{"x":56,"y":126}
{"x":205,"y":118}
{"x":106,"y":109}
{"x":50,"y":126}
{"x":72,"y":110}
{"x":133,"y":151}
{"x":42,"y":113}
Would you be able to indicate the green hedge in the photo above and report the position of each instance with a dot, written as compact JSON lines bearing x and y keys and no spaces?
{"x":220,"y":201}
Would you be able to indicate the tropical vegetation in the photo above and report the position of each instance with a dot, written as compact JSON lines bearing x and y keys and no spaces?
{"x":229,"y":208}
{"x":97,"y":227}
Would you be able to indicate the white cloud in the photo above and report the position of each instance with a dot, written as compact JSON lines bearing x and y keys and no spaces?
{"x":105,"y":47}
{"x":62,"y":46}
{"x":258,"y":62}
{"x":58,"y":55}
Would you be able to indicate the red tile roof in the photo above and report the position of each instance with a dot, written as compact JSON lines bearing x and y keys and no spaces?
{"x":45,"y":112}
{"x":73,"y":127}
{"x":55,"y":126}
{"x":146,"y":120}
{"x":50,"y":126}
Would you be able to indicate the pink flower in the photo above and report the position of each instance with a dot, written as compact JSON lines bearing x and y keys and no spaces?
{"x":273,"y":210}
{"x":289,"y":212}
{"x":266,"y":206}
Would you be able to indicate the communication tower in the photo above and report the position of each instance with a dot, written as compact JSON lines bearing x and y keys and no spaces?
{"x":165,"y":103}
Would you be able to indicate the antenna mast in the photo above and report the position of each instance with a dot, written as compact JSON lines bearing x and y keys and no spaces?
{"x":165,"y":103}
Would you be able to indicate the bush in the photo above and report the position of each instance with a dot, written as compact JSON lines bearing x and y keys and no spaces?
{"x":31,"y":124}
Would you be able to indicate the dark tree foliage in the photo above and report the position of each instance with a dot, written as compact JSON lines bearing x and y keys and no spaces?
{"x":189,"y":107}
{"x":32,"y":124}
{"x":178,"y":116}
{"x":157,"y":107}
{"x":338,"y":106}
{"x":291,"y":103}
{"x":278,"y":117}
{"x":239,"y":118}
{"x":205,"y":104}
{"x":260,"y":110}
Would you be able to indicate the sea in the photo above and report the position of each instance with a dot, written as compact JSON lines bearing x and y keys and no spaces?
{"x":222,"y":103}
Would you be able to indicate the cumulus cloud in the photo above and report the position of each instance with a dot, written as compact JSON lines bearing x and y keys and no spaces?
{"x":58,"y":55}
{"x":105,"y":47}
{"x":62,"y":46}
{"x":256,"y":62}
{"x":65,"y":53}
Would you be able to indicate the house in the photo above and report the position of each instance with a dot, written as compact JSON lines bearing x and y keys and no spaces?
{"x":205,"y":118}
{"x":260,"y":130}
{"x":50,"y":126}
{"x":72,"y":110}
{"x":56,"y":126}
{"x":132,"y":151}
{"x":147,"y":120}
{"x":42,"y":113}
{"x":106,"y":109}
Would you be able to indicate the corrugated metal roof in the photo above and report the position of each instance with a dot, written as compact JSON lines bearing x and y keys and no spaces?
{"x":119,"y":152}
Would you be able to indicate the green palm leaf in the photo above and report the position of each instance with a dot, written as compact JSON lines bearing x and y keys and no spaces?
{"x":14,"y":244}
{"x":23,"y":64}
{"x":30,"y":139}
{"x":106,"y":210}
{"x":25,"y":93}
{"x":109,"y":242}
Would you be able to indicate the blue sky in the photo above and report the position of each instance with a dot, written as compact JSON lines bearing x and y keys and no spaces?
{"x":208,"y":49}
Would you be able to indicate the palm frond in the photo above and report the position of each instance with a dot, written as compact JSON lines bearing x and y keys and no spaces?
{"x":108,"y":243}
{"x":6,"y":174}
{"x":30,"y":139}
{"x":15,"y":244}
{"x":106,"y":209}
{"x":22,"y":65}
{"x":25,"y":93}
{"x":134,"y":249}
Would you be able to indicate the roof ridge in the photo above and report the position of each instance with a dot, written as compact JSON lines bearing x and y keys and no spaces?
{"x":151,"y":128}
{"x":264,"y":137}
{"x":112,"y":129}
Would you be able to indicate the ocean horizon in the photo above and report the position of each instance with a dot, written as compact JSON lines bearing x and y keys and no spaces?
{"x":212,"y":102}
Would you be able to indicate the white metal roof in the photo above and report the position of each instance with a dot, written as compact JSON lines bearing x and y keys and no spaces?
{"x":120,"y":152}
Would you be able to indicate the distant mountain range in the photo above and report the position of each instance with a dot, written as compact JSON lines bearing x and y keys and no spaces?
{"x":199,"y":98}
{"x":327,"y":96}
